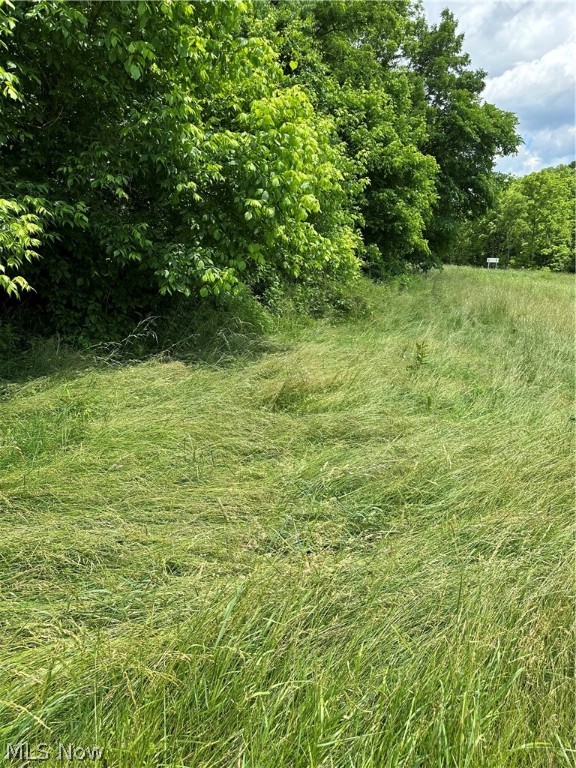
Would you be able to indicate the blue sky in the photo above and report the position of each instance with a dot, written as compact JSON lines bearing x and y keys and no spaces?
{"x":528,"y":49}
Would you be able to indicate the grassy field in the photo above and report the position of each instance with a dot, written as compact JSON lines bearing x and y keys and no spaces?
{"x":350,"y":546}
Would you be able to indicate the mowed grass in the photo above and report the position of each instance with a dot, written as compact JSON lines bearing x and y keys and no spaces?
{"x":355,"y":549}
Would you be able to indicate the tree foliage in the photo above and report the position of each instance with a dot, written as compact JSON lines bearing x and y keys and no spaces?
{"x":346,"y":55}
{"x":464,"y":133}
{"x":156,"y":148}
{"x":151,"y":147}
{"x":532,"y":224}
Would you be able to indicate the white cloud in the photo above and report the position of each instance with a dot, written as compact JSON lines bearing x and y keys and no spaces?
{"x":559,"y":142}
{"x":528,"y":49}
{"x":540,"y":90}
{"x":509,"y":33}
{"x":543,"y":148}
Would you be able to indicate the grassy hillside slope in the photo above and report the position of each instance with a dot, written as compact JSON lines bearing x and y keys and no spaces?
{"x":352,"y":549}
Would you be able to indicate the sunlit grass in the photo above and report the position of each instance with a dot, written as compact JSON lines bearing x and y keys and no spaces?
{"x":354,"y":549}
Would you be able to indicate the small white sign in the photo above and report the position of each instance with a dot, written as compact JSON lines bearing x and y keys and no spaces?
{"x":492,"y":261}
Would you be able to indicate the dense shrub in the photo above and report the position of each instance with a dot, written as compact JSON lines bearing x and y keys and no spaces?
{"x":153,"y":148}
{"x":409,"y":111}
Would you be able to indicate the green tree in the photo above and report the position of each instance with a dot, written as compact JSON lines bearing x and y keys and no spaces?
{"x":347,"y":56}
{"x":548,"y":218}
{"x":531,"y":224}
{"x":154,"y":148}
{"x":465,"y":134}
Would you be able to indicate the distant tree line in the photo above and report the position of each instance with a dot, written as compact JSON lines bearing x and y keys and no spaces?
{"x":150,"y":149}
{"x":531,"y":224}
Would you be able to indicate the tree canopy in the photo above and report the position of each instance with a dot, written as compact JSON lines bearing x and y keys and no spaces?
{"x":347,"y":56}
{"x":530,"y":225}
{"x":160,"y":148}
{"x":149,"y":147}
{"x":464,"y":133}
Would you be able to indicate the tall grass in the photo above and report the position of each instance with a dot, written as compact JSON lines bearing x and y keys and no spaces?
{"x":353,"y":548}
